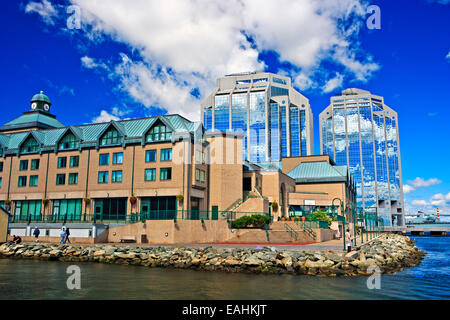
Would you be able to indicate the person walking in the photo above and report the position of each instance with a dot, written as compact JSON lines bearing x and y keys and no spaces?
{"x":67,"y":235}
{"x":63,"y":235}
{"x":36,"y":233}
{"x":348,"y":240}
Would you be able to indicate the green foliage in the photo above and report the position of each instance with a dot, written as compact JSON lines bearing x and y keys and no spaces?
{"x":256,"y":221}
{"x":320,"y":216}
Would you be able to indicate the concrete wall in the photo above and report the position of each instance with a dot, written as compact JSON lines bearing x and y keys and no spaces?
{"x":169,"y":232}
{"x":3,"y":226}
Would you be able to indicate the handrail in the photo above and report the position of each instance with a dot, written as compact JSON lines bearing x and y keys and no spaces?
{"x":291,"y":231}
{"x":308,"y":229}
{"x":267,"y":232}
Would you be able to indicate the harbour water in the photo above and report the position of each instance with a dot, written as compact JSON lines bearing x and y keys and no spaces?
{"x":28,"y":279}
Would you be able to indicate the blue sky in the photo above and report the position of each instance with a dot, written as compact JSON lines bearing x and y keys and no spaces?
{"x":128,"y":55}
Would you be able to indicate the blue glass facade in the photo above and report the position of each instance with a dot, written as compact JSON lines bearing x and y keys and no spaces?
{"x":294,"y":123}
{"x":239,"y":118}
{"x":354,"y":154}
{"x":284,"y":150}
{"x":364,"y":136}
{"x":257,"y":127}
{"x":207,"y":118}
{"x":303,"y":132}
{"x":222,"y":113}
{"x":275,"y":132}
{"x":368,"y":162}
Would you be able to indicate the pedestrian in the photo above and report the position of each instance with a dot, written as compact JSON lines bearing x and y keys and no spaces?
{"x":67,"y":235}
{"x":36,"y":233}
{"x":63,"y":235}
{"x":348,"y":240}
{"x":17,"y":239}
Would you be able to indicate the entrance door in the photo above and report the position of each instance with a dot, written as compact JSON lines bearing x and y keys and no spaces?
{"x":98,"y":210}
{"x":195,"y":208}
{"x":247,"y":184}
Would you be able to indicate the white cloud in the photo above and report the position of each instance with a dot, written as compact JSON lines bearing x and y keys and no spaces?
{"x":45,"y":9}
{"x":333,"y":83}
{"x":182,"y":45}
{"x":448,"y":54}
{"x":105,"y":117}
{"x":420,"y":182}
{"x":407,"y":188}
{"x":419,"y":203}
{"x":90,"y":63}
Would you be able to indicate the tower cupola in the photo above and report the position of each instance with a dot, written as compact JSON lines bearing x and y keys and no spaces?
{"x":40,"y":102}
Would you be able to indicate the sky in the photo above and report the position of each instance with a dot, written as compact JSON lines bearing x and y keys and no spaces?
{"x":100,"y":60}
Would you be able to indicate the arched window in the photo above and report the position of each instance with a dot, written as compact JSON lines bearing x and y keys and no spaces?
{"x":159,"y":132}
{"x":30,"y":146}
{"x":69,"y":142}
{"x":111,"y":137}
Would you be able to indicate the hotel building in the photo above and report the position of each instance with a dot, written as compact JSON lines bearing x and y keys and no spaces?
{"x":359,"y":130}
{"x":164,"y":167}
{"x":276,"y":120}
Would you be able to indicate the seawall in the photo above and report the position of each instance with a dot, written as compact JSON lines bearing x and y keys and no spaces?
{"x":389,"y":253}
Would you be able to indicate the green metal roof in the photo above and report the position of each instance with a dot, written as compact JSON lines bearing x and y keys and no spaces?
{"x":32,"y":119}
{"x":40,"y":97}
{"x":309,"y":171}
{"x":134,"y":130}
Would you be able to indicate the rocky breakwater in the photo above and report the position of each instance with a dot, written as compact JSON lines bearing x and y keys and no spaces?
{"x":389,"y":253}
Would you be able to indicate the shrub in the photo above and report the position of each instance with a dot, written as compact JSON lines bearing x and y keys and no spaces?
{"x":257,"y":221}
{"x":320,"y":216}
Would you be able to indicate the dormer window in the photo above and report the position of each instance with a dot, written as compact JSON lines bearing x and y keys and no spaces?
{"x":69,"y":142}
{"x":111,"y":137}
{"x":159,"y":132}
{"x":30,"y":146}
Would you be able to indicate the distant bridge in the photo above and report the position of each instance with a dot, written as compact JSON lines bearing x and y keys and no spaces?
{"x":427,"y":230}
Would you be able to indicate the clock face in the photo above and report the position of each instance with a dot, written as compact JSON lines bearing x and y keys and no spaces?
{"x":34,"y":105}
{"x":46,"y":107}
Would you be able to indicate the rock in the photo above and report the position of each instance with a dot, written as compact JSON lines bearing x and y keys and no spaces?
{"x":99,"y":253}
{"x":352,"y":255}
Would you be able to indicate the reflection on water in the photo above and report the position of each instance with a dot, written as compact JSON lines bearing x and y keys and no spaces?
{"x":28,"y":279}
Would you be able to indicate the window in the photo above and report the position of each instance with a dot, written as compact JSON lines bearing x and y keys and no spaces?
{"x":166,"y":154}
{"x":150,"y":174}
{"x":34,"y":181}
{"x":22,"y":181}
{"x":35,"y":164}
{"x":165,"y":174}
{"x":116,"y":176}
{"x":62,"y":162}
{"x":103,"y":177}
{"x":111,"y":137}
{"x":60,"y":179}
{"x":202,"y":176}
{"x":104,"y":159}
{"x":23,"y":165}
{"x":197,"y":175}
{"x":69,"y":209}
{"x":73,"y":178}
{"x":0,"y":182}
{"x":1,"y":166}
{"x":118,"y":158}
{"x":30,"y":146}
{"x":159,"y":133}
{"x":69,"y":142}
{"x":74,"y":161}
{"x":150,"y":156}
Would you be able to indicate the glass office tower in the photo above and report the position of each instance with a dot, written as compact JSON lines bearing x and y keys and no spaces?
{"x":275,"y":118}
{"x":357,"y":129}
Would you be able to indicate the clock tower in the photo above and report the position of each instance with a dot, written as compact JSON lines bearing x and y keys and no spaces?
{"x":38,"y":117}
{"x":40,"y":102}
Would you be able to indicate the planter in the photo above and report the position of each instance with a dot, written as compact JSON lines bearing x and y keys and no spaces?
{"x":133,"y":200}
{"x":44,"y":202}
{"x":87,"y":200}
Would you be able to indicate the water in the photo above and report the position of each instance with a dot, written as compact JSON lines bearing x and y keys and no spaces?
{"x":29,"y":279}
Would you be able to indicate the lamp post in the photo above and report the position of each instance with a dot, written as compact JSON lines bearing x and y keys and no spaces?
{"x":341,"y":203}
